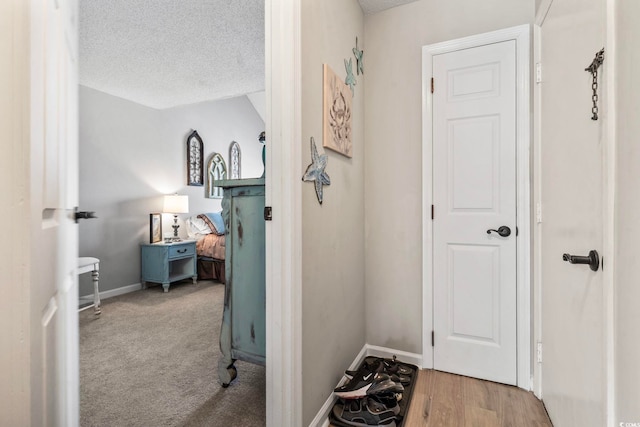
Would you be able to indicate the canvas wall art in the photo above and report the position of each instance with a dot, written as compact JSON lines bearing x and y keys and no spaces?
{"x":336,"y":117}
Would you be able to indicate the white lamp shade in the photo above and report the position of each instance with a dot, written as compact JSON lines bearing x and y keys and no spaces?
{"x":176,"y":204}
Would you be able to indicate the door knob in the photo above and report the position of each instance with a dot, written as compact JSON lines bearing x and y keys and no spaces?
{"x":593,"y":260}
{"x":503,"y":231}
{"x":84,"y":215}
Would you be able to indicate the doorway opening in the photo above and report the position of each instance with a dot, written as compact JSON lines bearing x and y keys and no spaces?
{"x":520,"y":37}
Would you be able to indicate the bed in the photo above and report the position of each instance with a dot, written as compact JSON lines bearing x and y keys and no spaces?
{"x":208,"y":231}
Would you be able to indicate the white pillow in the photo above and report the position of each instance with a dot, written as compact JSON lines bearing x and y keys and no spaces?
{"x":196,"y":227}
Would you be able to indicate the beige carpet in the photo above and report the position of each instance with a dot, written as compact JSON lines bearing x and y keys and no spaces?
{"x":151,"y":359}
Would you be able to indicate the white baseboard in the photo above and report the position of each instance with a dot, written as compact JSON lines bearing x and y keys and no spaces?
{"x":402,"y":356}
{"x":322,"y":417}
{"x":114,"y":292}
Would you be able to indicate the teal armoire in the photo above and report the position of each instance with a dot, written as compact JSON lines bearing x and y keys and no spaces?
{"x":242,"y":333}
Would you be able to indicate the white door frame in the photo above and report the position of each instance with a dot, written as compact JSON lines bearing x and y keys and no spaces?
{"x":283,"y":191}
{"x":284,"y":232}
{"x":521,"y":35}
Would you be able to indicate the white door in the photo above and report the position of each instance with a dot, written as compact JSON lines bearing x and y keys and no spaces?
{"x":573,"y":383}
{"x":474,"y":191}
{"x":54,"y":194}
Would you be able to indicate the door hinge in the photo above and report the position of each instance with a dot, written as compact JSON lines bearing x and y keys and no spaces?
{"x":432,"y":85}
{"x":432,"y":212}
{"x":538,"y":72}
{"x":539,"y":352}
{"x":268,"y":213}
{"x":433,"y":339}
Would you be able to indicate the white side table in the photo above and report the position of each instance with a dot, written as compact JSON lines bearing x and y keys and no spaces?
{"x":91,"y":265}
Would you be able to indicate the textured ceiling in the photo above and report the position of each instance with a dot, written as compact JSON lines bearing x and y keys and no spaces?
{"x":164,"y":53}
{"x":374,"y":6}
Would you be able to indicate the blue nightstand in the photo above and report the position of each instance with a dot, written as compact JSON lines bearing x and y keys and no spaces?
{"x":168,"y":262}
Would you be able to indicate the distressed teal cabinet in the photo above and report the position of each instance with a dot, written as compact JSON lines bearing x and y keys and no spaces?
{"x":242,"y":333}
{"x":168,"y":262}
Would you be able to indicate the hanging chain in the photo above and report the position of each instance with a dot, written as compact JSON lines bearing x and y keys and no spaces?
{"x":593,"y":69}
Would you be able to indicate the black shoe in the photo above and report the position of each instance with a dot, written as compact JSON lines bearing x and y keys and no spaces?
{"x":360,"y":382}
{"x":364,"y":412}
{"x":405,"y":380}
{"x":392,"y":366}
{"x":402,"y":379}
{"x":387,"y":366}
{"x":382,"y":383}
{"x":389,"y":400}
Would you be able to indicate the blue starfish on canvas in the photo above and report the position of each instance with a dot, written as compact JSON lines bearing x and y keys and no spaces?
{"x":315,"y":171}
{"x":358,"y":54}
{"x":350,"y":80}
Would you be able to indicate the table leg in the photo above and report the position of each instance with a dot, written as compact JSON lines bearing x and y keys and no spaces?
{"x":95,"y":276}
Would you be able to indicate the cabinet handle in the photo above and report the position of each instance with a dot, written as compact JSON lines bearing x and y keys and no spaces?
{"x":181,"y":251}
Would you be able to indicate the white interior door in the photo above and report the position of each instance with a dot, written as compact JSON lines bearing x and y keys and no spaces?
{"x":573,"y":383}
{"x":54,"y":194}
{"x":474,"y":190}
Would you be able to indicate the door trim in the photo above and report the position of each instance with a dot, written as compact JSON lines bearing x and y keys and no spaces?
{"x":521,"y":35}
{"x":609,"y":212}
{"x":283,"y":234}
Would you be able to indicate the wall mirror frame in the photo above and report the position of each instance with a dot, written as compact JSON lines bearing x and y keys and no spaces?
{"x":216,"y":170}
{"x":235,"y":161}
{"x":194,"y":160}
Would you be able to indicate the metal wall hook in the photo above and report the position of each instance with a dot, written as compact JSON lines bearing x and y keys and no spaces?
{"x":593,"y":69}
{"x":597,"y":62}
{"x":592,"y":260}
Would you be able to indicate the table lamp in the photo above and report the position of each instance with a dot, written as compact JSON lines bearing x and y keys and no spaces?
{"x":176,"y":204}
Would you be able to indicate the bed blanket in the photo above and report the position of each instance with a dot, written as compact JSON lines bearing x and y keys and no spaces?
{"x":212,"y":246}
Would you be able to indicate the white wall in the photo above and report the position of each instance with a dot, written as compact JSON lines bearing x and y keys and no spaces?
{"x":333,"y":286}
{"x":393,"y":135}
{"x":627,"y":280}
{"x":131,"y":155}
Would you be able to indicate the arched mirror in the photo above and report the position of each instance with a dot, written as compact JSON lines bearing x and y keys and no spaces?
{"x":194,"y":159}
{"x":216,"y":170}
{"x":235,"y":158}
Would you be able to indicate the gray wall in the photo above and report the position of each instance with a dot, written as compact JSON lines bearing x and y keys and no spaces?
{"x":333,"y":287}
{"x":393,"y":161}
{"x":627,"y":280}
{"x":131,"y":155}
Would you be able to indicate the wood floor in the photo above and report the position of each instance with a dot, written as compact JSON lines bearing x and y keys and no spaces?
{"x":446,"y":400}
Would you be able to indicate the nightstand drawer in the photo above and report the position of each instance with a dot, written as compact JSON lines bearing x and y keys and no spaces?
{"x":180,"y":251}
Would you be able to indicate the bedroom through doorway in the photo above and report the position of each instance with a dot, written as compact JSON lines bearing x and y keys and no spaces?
{"x":148,"y":78}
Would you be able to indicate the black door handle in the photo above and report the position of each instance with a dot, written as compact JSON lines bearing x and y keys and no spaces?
{"x":84,"y":215}
{"x":593,"y":260}
{"x":503,"y":231}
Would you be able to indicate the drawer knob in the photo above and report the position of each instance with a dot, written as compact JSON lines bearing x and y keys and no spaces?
{"x":181,"y":251}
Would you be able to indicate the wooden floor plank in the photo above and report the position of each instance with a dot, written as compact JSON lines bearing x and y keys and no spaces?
{"x":475,"y":416}
{"x":420,"y":405}
{"x":448,"y":405}
{"x":470,"y":402}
